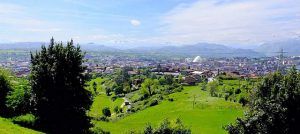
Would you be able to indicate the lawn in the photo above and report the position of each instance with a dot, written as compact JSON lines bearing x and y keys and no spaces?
{"x":7,"y":127}
{"x":207,"y":115}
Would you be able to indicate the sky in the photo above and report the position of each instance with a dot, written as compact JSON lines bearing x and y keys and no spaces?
{"x":150,"y":22}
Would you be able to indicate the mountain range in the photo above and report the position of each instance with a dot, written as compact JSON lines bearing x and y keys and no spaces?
{"x":291,"y":47}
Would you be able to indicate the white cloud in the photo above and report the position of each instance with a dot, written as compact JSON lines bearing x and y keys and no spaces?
{"x":135,"y":22}
{"x":232,"y":22}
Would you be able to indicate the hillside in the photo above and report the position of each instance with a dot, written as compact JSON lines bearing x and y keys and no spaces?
{"x":209,"y":114}
{"x":7,"y":127}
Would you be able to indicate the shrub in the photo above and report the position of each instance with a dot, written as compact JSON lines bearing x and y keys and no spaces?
{"x":238,"y":91}
{"x":153,"y":102}
{"x":25,"y":120}
{"x":106,"y":111}
{"x":243,"y":100}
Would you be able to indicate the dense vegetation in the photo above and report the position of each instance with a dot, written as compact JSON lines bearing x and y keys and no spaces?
{"x":275,"y":106}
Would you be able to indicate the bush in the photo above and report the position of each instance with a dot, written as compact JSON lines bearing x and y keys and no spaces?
{"x":27,"y":120}
{"x":106,"y":111}
{"x":153,"y":102}
{"x":171,"y":99}
{"x":243,"y":100}
{"x":5,"y":87}
{"x":238,"y":91}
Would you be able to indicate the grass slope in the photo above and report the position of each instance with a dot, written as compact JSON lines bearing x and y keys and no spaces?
{"x":7,"y":127}
{"x":208,"y":115}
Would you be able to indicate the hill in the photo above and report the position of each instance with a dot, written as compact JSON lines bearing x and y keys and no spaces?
{"x":98,"y":47}
{"x":208,"y":115}
{"x":21,"y":45}
{"x":202,"y":49}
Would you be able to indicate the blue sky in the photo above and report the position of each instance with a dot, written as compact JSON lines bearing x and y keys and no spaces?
{"x":150,"y":22}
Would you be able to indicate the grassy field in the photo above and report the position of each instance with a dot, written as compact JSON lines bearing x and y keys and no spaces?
{"x":101,"y":100}
{"x":207,"y":115}
{"x":7,"y":127}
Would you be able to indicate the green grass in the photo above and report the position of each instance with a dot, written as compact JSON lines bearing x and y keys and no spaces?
{"x":7,"y":127}
{"x":102,"y":101}
{"x":208,"y":115}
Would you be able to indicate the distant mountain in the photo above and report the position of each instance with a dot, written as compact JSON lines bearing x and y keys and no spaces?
{"x":202,"y":49}
{"x":32,"y":46}
{"x":98,"y":47}
{"x":292,"y":47}
{"x":22,"y":45}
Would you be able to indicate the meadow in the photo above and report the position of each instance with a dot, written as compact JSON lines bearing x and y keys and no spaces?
{"x":195,"y":107}
{"x":7,"y":127}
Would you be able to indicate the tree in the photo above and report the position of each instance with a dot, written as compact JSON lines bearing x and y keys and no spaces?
{"x":149,"y":85}
{"x":5,"y":87}
{"x":18,"y":99}
{"x":169,"y":79}
{"x":59,"y":97}
{"x":212,"y":88}
{"x":106,"y":111}
{"x":275,"y":106}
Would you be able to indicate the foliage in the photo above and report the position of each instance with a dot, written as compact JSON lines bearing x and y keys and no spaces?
{"x":106,"y":111}
{"x":27,"y":120}
{"x":212,"y":88}
{"x":275,"y":106}
{"x":149,"y":86}
{"x":153,"y":102}
{"x":167,"y":128}
{"x":57,"y":80}
{"x":18,"y":99}
{"x":5,"y":87}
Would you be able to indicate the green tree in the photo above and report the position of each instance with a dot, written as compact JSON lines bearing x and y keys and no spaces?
{"x":275,"y":107}
{"x":5,"y":87}
{"x":59,"y":97}
{"x":212,"y":88}
{"x":18,"y":99}
{"x":149,"y":86}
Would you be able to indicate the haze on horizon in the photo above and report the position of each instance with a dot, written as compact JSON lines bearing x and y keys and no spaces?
{"x":148,"y":22}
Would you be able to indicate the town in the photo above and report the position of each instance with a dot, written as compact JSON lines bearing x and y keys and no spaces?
{"x":19,"y":63}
